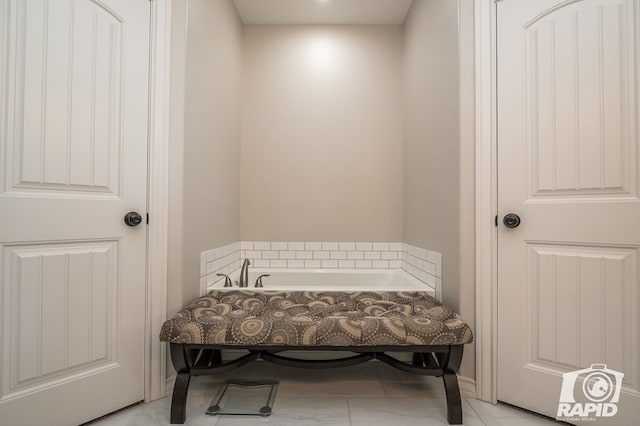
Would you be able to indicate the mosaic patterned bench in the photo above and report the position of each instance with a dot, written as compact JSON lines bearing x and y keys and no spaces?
{"x":267,"y":323}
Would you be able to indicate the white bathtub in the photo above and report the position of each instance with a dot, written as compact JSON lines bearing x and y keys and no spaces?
{"x":332,"y":280}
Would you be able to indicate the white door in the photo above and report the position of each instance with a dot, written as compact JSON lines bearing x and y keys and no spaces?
{"x":568,"y":296}
{"x":73,"y":142}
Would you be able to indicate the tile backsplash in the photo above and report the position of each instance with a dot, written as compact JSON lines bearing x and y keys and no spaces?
{"x":221,"y":260}
{"x":423,"y":264}
{"x":322,"y":255}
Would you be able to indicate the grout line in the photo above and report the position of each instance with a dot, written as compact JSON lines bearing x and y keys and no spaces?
{"x":349,"y":411}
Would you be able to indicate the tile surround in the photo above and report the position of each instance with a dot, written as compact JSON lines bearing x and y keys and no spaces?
{"x":221,"y":260}
{"x":331,"y":255}
{"x":425,"y":265}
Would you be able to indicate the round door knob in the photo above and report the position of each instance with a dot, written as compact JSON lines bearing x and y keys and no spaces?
{"x":133,"y":219}
{"x":511,"y":220}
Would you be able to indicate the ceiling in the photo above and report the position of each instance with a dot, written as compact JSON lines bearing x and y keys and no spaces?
{"x":323,"y":11}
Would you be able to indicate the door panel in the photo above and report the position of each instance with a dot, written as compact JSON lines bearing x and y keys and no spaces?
{"x":568,"y":166}
{"x":74,"y":99}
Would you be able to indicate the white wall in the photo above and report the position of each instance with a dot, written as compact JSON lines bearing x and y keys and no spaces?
{"x":322,"y":133}
{"x":438,"y":152}
{"x":205,"y":162}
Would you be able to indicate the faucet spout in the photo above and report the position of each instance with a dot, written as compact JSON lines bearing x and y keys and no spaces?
{"x":244,"y":274}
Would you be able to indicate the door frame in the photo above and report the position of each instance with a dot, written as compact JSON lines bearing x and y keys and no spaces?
{"x":486,"y":333}
{"x":155,"y":362}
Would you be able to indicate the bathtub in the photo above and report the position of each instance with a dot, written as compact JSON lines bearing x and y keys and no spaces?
{"x":284,"y":279}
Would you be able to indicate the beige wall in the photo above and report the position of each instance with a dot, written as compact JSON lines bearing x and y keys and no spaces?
{"x":322,"y":133}
{"x":322,"y":154}
{"x":204,"y":196}
{"x":438,"y":154}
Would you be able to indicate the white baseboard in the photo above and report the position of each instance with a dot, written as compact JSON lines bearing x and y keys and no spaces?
{"x":467,"y":387}
{"x":170,"y":382}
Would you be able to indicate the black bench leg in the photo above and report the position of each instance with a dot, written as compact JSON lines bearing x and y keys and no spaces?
{"x":217,"y":357}
{"x":454,"y":403}
{"x":417,"y":359}
{"x":451,"y":388}
{"x":181,"y":387}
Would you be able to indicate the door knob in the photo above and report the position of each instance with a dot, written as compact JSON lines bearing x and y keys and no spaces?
{"x":133,"y":219}
{"x":511,"y":220}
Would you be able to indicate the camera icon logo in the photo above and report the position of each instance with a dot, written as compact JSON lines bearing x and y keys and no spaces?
{"x":596,"y":397}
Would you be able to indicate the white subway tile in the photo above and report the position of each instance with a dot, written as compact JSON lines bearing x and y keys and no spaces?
{"x":421,"y":254}
{"x":381,"y":246}
{"x":211,"y":255}
{"x":295,"y":263}
{"x":438,"y":271}
{"x":347,"y":264}
{"x":262,"y":263}
{"x":372,"y":255}
{"x":337,"y":255}
{"x":330,"y":246}
{"x":395,"y":246}
{"x":329,"y":263}
{"x":380,"y":264}
{"x":203,"y":286}
{"x":279,"y":245}
{"x":395,"y":264}
{"x":431,"y":256}
{"x":313,"y":246}
{"x":430,"y":279}
{"x":287,"y":254}
{"x":262,"y":245}
{"x":270,"y":254}
{"x":364,"y":246}
{"x":355,"y":255}
{"x":278,"y":263}
{"x":295,"y":246}
{"x":313,"y":264}
{"x":235,"y":265}
{"x":236,"y":246}
{"x":246,"y":245}
{"x":211,"y":268}
{"x":321,"y":255}
{"x":347,"y":246}
{"x":242,"y":254}
{"x":389,"y":255}
{"x":212,"y":279}
{"x":304,"y":255}
{"x":429,"y":268}
{"x":365,"y":264}
{"x":254,"y":254}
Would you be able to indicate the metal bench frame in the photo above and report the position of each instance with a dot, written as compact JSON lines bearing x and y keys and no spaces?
{"x":199,"y":359}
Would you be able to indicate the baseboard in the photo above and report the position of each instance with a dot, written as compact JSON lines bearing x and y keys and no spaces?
{"x":170,"y":382}
{"x":467,"y":387}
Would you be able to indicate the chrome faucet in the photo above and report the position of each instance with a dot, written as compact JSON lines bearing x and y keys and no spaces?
{"x":244,"y":274}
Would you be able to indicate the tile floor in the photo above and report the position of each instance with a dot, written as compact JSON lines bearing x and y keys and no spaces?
{"x":371,"y":394}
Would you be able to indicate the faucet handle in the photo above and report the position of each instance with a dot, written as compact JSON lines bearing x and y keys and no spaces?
{"x":259,"y":280}
{"x":227,"y":280}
